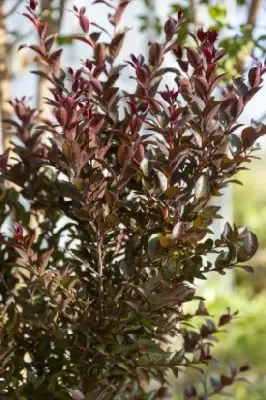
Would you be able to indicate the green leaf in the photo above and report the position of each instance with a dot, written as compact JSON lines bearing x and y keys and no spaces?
{"x":218,"y":13}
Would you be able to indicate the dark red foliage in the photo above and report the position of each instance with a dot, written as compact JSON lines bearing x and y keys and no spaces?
{"x":110,"y":199}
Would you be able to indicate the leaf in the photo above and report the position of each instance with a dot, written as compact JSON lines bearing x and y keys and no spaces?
{"x":251,"y":243}
{"x":248,"y":136}
{"x":125,"y":154}
{"x":201,"y":86}
{"x":202,"y":310}
{"x":254,"y":76}
{"x":216,"y":383}
{"x":211,"y":109}
{"x":126,"y":269}
{"x":224,"y":118}
{"x":225,"y":319}
{"x":235,"y":144}
{"x":246,"y":268}
{"x":153,"y":246}
{"x":54,"y":60}
{"x":178,"y":230}
{"x":81,"y":38}
{"x":218,"y":13}
{"x":84,"y":23}
{"x":184,"y":86}
{"x":171,"y":191}
{"x":165,"y":241}
{"x":142,"y":75}
{"x":119,"y":11}
{"x":76,"y":394}
{"x":194,"y":57}
{"x":116,"y":44}
{"x":227,"y":380}
{"x":202,"y":188}
{"x":240,"y":87}
{"x":96,"y":84}
{"x":44,"y":259}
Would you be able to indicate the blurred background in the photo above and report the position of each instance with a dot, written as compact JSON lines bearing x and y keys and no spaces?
{"x":242,"y":31}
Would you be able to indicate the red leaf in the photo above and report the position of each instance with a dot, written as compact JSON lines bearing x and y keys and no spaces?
{"x":226,"y":380}
{"x":82,"y":39}
{"x":116,"y":44}
{"x":120,"y":10}
{"x":225,"y":319}
{"x":193,"y":57}
{"x":125,"y":154}
{"x":201,"y":86}
{"x":34,"y":47}
{"x":135,"y":125}
{"x":170,"y":28}
{"x":55,"y":59}
{"x":97,"y":86}
{"x":84,"y":23}
{"x":211,"y":109}
{"x":249,"y":136}
{"x":99,"y":53}
{"x":156,"y":53}
{"x":139,"y":154}
{"x":142,"y":75}
{"x":254,"y":76}
{"x":184,"y":86}
{"x":61,"y":116}
{"x":244,"y":368}
{"x":96,"y":123}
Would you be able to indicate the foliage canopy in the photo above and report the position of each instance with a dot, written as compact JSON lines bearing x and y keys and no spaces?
{"x":126,"y":179}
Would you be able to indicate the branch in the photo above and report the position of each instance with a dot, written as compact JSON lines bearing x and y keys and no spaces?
{"x":251,"y":20}
{"x":194,"y":12}
{"x":100,"y":268}
{"x":253,"y":12}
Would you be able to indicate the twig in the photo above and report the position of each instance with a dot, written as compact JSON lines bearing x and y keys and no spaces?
{"x":100,"y":267}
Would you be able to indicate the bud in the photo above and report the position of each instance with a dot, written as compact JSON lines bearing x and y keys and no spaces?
{"x":201,"y":34}
{"x":212,"y":36}
{"x":33,"y":4}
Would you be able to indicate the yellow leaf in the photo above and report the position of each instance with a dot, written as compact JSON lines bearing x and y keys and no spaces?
{"x":79,"y":183}
{"x":66,"y":149}
{"x":171,"y":191}
{"x":164,"y":241}
{"x":198,"y":223}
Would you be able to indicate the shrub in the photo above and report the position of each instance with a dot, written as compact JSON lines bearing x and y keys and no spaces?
{"x":125,"y":179}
